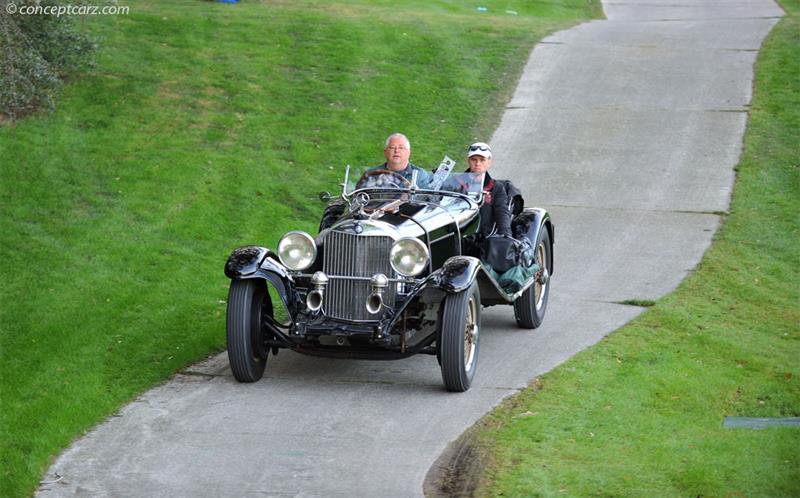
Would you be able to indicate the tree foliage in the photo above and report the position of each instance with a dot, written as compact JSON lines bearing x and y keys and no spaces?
{"x":36,"y":53}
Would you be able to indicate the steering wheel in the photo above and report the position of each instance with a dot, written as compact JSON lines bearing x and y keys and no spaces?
{"x":392,"y":180}
{"x":368,"y":176}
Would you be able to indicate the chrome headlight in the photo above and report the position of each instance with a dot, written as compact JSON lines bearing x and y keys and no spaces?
{"x":297,"y":250}
{"x":409,"y":257}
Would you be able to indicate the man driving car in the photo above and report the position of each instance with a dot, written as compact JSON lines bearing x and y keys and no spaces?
{"x":397,"y":150}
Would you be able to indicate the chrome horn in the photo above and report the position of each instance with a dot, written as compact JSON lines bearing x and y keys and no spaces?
{"x":379,"y":283}
{"x":314,"y":298}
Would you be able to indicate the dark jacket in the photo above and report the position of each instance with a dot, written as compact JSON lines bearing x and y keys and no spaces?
{"x":495,"y":211}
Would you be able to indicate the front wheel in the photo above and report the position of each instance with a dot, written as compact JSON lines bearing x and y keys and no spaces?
{"x":529,"y":308}
{"x":248,"y":302}
{"x":458,"y":347}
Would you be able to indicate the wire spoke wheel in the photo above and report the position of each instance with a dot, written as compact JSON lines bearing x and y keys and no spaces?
{"x":470,"y":336}
{"x":530,"y":307}
{"x":541,"y":282}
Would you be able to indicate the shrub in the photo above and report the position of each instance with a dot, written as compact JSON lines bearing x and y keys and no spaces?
{"x":38,"y":52}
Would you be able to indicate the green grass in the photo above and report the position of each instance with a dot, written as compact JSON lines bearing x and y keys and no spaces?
{"x":204,"y":127}
{"x":640,"y":414}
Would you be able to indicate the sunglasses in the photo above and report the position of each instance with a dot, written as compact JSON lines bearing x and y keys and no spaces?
{"x":482,"y":148}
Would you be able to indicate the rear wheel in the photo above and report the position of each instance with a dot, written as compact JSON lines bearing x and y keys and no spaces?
{"x":248,"y":302}
{"x":529,"y":308}
{"x":458,"y":347}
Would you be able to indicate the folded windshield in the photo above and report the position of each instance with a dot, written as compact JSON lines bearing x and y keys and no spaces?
{"x":470,"y":184}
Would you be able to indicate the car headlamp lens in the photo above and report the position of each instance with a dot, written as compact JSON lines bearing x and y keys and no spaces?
{"x":409,"y":257}
{"x":297,"y":250}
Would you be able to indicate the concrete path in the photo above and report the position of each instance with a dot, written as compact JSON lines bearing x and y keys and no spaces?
{"x":627,"y":130}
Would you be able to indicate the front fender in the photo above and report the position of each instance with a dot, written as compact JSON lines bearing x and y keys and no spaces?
{"x":259,"y":262}
{"x":457,"y":274}
{"x":245,"y":261}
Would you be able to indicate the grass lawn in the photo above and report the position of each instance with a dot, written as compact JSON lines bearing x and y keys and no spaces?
{"x":204,"y":127}
{"x":641,"y":413}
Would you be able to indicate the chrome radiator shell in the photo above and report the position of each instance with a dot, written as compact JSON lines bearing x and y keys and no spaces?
{"x":352,"y":255}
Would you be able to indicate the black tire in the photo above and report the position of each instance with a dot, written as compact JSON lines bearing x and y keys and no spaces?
{"x":529,"y":308}
{"x":458,"y":348}
{"x":248,"y":301}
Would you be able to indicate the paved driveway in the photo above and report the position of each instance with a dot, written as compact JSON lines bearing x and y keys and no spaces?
{"x":627,"y":130}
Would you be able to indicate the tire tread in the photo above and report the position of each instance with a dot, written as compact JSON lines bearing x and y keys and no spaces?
{"x":244,"y":365}
{"x":455,"y":377}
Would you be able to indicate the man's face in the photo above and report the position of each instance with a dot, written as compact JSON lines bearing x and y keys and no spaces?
{"x":479,"y":164}
{"x":397,"y":154}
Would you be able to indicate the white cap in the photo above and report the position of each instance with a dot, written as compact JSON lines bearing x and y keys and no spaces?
{"x":479,"y":149}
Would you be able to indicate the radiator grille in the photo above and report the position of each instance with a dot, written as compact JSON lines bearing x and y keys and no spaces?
{"x":355,"y":256}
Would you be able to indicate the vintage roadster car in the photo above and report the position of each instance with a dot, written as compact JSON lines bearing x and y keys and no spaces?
{"x":394,"y":271}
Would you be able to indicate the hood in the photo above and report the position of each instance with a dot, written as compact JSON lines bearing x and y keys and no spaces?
{"x":410,"y":220}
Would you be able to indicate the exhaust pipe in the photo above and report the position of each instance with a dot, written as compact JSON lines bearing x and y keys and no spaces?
{"x":379,"y":283}
{"x":315,"y":297}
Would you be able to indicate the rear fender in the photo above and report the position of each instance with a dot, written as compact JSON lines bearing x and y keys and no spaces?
{"x":530,"y":223}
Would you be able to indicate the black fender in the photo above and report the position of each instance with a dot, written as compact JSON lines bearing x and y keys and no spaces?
{"x":245,"y":261}
{"x":332,"y":213}
{"x":457,"y":274}
{"x":530,"y":223}
{"x":259,"y":262}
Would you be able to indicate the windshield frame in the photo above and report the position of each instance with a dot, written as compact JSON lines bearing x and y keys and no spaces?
{"x":413,"y":189}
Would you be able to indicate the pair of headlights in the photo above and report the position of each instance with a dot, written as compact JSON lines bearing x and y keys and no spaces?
{"x":408,"y":256}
